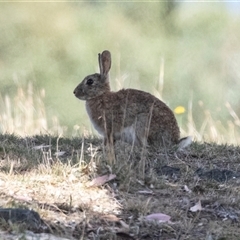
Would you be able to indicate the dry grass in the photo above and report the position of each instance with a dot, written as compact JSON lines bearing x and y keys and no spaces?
{"x":55,"y":176}
{"x":25,"y":114}
{"x":213,"y":130}
{"x":59,"y":188}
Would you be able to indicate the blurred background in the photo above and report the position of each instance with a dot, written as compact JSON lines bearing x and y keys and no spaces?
{"x":185,"y":53}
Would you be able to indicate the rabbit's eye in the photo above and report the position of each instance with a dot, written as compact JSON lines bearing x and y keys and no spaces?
{"x":89,"y":81}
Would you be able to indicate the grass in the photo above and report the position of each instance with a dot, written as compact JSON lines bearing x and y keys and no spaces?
{"x":211,"y":129}
{"x":25,"y":113}
{"x":59,"y":188}
{"x":58,"y":178}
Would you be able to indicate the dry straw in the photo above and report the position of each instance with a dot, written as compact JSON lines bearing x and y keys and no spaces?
{"x":25,"y":114}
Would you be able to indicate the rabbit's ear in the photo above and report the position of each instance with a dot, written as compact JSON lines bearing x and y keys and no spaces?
{"x":104,"y":60}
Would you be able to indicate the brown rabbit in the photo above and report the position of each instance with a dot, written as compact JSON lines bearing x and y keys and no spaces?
{"x":131,"y":115}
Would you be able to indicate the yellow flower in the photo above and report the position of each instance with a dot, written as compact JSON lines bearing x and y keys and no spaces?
{"x":179,"y":110}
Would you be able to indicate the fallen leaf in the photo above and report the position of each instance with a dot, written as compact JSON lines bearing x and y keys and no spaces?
{"x":187,"y":189}
{"x":111,"y":218}
{"x":196,"y":207}
{"x":160,"y":217}
{"x":101,"y":180}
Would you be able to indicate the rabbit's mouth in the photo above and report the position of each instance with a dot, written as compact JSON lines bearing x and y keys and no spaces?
{"x":81,"y":94}
{"x":78,"y":94}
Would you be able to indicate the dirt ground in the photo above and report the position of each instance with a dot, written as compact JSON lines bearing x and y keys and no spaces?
{"x":82,"y":190}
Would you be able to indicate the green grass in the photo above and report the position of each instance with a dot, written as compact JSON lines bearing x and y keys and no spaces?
{"x":58,"y":187}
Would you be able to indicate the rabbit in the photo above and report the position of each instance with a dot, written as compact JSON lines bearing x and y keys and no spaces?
{"x":134,"y":116}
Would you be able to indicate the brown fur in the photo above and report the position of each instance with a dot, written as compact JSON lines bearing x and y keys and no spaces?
{"x":131,"y":115}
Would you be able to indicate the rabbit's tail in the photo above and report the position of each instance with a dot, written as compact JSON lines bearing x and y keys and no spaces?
{"x":184,"y":142}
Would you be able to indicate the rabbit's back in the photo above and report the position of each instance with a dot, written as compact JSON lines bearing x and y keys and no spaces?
{"x":133,"y":115}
